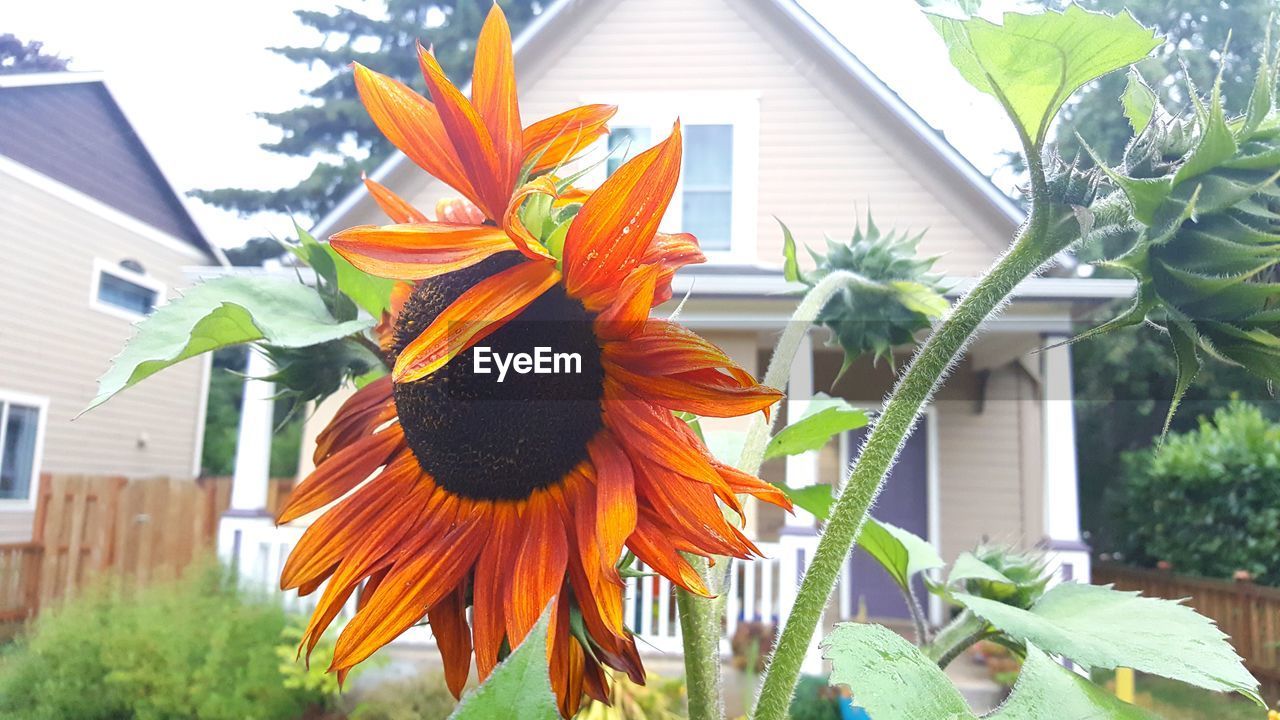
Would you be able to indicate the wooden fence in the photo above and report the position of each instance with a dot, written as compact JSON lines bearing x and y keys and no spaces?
{"x":1249,"y":613}
{"x":136,"y":530}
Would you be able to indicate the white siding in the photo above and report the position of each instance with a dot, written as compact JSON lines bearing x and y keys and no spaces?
{"x":53,"y":344}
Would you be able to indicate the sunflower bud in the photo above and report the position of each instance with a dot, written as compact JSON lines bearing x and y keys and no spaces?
{"x":1202,"y":203}
{"x":897,"y":297}
{"x":1019,"y":578}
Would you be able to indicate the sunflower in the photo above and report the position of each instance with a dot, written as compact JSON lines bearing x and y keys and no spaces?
{"x":456,"y":489}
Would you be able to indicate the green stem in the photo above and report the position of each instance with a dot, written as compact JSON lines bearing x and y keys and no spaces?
{"x":701,"y":618}
{"x":900,"y":415}
{"x":962,"y":632}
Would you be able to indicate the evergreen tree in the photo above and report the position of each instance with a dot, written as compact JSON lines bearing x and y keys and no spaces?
{"x":17,"y":56}
{"x":332,"y":125}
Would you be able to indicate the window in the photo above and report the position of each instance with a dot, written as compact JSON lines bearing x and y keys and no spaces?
{"x":716,"y":197}
{"x":124,"y":290}
{"x":21,"y":430}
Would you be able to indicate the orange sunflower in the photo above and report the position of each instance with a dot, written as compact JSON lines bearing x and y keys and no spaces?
{"x":506,"y":495}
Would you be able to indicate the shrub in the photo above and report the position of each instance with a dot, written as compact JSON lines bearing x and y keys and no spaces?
{"x":815,"y":699}
{"x":1207,"y":501}
{"x":197,"y":648}
{"x":413,"y":698}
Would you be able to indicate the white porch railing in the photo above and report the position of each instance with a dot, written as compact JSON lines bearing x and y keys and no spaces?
{"x":759,"y":591}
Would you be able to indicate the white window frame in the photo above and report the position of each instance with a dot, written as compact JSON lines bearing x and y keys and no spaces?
{"x":41,"y":404}
{"x":100,"y":267}
{"x":658,"y":112}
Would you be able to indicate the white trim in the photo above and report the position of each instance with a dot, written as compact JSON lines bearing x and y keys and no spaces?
{"x":101,"y":267}
{"x":41,"y":403}
{"x":60,"y":77}
{"x":43,"y":182}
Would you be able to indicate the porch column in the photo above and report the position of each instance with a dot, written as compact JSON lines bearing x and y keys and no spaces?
{"x":248,"y":507}
{"x":1068,"y":554}
{"x":799,"y":537}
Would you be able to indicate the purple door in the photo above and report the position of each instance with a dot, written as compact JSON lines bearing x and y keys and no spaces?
{"x":904,"y":502}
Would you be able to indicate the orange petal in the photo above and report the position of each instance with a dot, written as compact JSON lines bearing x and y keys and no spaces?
{"x":629,"y":308}
{"x":417,"y":581}
{"x":520,"y":235}
{"x":553,"y":141}
{"x":703,"y":392}
{"x":615,"y":510}
{"x":672,"y":252}
{"x":539,"y":570}
{"x":448,"y":619}
{"x":396,"y":207}
{"x":413,"y":125}
{"x":479,"y":311}
{"x":745,"y":484}
{"x":458,"y":211}
{"x":667,"y":348}
{"x":418,"y":250}
{"x":361,"y":414}
{"x":340,"y":472}
{"x":493,"y":571}
{"x":655,"y":550}
{"x":470,"y":137}
{"x":565,"y":662}
{"x":493,"y":92}
{"x":649,"y":432}
{"x":615,"y":226}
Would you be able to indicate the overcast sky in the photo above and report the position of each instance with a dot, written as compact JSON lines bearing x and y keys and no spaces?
{"x":190,"y":77}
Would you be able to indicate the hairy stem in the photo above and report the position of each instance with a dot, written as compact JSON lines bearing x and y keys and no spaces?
{"x":901,"y":412}
{"x":701,"y":618}
{"x":962,"y":632}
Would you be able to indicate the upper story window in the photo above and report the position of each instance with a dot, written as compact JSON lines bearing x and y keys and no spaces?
{"x":716,"y":197}
{"x":124,"y":290}
{"x":21,"y":431}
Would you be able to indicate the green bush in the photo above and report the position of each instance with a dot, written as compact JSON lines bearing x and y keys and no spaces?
{"x":413,"y":698}
{"x":1207,"y":501}
{"x":815,"y":699}
{"x":197,"y":649}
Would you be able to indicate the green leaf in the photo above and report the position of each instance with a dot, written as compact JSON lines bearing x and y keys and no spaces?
{"x":1217,"y":144}
{"x":920,"y":298}
{"x":219,"y":313}
{"x":1046,"y":690}
{"x":1033,"y":63}
{"x":900,"y":552}
{"x":968,"y":567}
{"x":814,"y":499}
{"x":1099,"y":627}
{"x":1184,"y":349}
{"x":890,"y":677}
{"x":520,"y":687}
{"x":826,"y":418}
{"x":370,"y":292}
{"x":790,"y":266}
{"x":1139,"y":101}
{"x":893,"y":680}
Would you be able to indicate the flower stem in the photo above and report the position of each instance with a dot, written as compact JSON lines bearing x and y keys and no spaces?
{"x":900,"y":415}
{"x":701,"y":618}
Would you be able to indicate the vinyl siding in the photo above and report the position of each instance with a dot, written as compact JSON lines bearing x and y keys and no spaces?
{"x":825,"y":155}
{"x":53,"y":344}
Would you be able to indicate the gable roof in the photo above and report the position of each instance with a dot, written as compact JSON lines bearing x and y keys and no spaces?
{"x":543,"y":35}
{"x":68,"y":127}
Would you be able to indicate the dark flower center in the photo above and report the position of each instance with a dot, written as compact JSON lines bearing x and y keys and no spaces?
{"x":490,"y":440}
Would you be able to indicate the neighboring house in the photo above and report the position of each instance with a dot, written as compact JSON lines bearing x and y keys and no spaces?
{"x":781,"y":120}
{"x":92,"y":238}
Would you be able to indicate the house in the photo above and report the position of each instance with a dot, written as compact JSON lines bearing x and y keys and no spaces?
{"x":93,"y":238}
{"x":781,"y":120}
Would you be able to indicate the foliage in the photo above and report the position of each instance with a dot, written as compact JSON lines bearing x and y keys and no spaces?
{"x":523,"y":675}
{"x":892,"y":679}
{"x":1196,"y":47}
{"x":825,"y":418}
{"x":197,"y":648}
{"x":1207,"y":501}
{"x":1199,"y":198}
{"x":312,"y":676}
{"x":1123,"y":386}
{"x":1001,"y":574}
{"x":898,"y":298}
{"x":814,"y":700}
{"x":331,"y":123}
{"x":657,"y":699}
{"x":17,"y":57}
{"x":222,"y":421}
{"x":413,"y":698}
{"x":220,"y":313}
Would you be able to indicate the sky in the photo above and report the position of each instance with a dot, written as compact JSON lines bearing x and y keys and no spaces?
{"x":191,"y":75}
